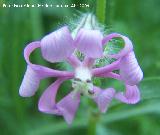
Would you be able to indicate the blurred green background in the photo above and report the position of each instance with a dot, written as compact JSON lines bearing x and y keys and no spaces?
{"x":138,"y":19}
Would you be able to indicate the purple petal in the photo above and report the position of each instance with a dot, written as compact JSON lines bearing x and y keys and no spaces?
{"x":30,"y":83}
{"x":130,"y":71}
{"x":68,"y":106}
{"x":103,"y":98}
{"x":110,"y":75}
{"x":127,"y":48}
{"x":106,"y":69}
{"x":131,"y":96}
{"x":47,"y":102}
{"x":29,"y":49}
{"x":48,"y":72}
{"x":74,"y":61}
{"x":57,"y":46}
{"x":88,"y":62}
{"x":89,"y":42}
{"x":42,"y":71}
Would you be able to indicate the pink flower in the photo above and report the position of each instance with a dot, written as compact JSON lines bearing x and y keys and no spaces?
{"x":59,"y":46}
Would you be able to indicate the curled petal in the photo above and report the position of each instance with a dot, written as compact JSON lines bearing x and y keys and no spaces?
{"x":68,"y":106}
{"x":47,"y":102}
{"x":127,"y":47}
{"x":30,"y":83}
{"x":130,"y":71}
{"x":57,"y":46}
{"x":89,"y":42}
{"x":29,"y":49}
{"x":42,"y":71}
{"x":131,"y":96}
{"x":115,"y":65}
{"x":103,"y":98}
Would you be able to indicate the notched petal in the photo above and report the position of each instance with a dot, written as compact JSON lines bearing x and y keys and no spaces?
{"x":30,"y":83}
{"x":57,"y":46}
{"x":68,"y":106}
{"x":89,"y":42}
{"x":103,"y":98}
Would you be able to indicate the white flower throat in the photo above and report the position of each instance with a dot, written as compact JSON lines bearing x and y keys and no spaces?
{"x":82,"y":82}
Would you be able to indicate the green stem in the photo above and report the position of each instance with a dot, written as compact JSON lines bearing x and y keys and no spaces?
{"x":100,"y":10}
{"x":92,"y":124}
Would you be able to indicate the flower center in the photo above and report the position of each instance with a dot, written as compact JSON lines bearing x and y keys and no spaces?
{"x":82,"y":82}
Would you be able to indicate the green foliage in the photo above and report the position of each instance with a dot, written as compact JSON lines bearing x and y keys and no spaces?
{"x":139,"y":20}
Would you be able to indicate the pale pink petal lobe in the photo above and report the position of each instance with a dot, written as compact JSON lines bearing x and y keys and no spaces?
{"x":130,"y":71}
{"x":89,"y":42}
{"x":30,"y":83}
{"x":131,"y":96}
{"x":57,"y":46}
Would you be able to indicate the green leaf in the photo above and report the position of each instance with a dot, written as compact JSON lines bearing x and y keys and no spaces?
{"x":56,"y":127}
{"x":150,"y":88}
{"x":132,"y":110}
